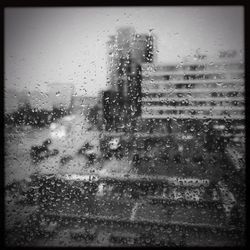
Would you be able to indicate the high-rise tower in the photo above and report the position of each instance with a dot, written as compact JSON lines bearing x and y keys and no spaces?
{"x":127,"y":50}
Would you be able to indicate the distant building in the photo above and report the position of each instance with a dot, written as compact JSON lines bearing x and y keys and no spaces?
{"x":40,"y":100}
{"x":56,"y":95}
{"x":198,"y":89}
{"x":126,"y":52}
{"x":17,"y":99}
{"x":61,"y":95}
{"x":12,"y":100}
{"x":79,"y":103}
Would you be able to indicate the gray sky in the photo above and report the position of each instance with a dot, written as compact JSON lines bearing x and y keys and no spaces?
{"x":61,"y":44}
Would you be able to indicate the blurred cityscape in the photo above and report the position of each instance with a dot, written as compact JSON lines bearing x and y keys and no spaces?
{"x":157,"y":158}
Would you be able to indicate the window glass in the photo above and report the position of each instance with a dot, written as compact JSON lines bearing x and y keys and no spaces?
{"x":123,"y":127}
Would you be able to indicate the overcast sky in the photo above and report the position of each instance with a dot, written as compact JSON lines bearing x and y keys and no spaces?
{"x":61,"y":44}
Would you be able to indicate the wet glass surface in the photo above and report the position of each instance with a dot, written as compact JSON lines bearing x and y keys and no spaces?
{"x":156,"y":157}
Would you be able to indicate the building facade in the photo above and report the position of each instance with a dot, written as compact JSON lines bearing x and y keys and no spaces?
{"x":127,"y":50}
{"x":199,"y":91}
{"x":194,"y":90}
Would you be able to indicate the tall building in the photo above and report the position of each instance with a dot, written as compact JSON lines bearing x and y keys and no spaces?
{"x":127,"y":50}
